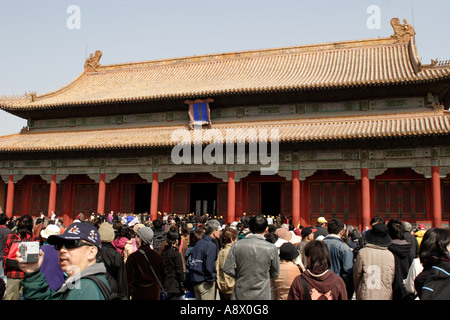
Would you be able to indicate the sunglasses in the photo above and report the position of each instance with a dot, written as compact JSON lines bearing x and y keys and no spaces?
{"x":71,"y":244}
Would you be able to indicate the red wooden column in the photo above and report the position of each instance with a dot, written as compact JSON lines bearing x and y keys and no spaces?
{"x":52,"y":196}
{"x":154,"y":197}
{"x":365,"y":195}
{"x":295,"y":197}
{"x":101,"y":194}
{"x":436,"y":196}
{"x":10,"y":196}
{"x":231,"y":208}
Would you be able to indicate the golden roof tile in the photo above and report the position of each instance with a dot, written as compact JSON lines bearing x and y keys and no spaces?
{"x":383,"y":61}
{"x":290,"y":130}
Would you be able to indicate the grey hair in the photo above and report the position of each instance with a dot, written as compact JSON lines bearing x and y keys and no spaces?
{"x":211,"y":226}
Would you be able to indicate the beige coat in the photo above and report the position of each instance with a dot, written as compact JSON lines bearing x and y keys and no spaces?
{"x":373,"y":273}
{"x":288,"y":272}
{"x":225,"y":283}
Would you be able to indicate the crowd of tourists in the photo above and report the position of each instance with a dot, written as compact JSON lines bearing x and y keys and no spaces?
{"x":192,"y":257}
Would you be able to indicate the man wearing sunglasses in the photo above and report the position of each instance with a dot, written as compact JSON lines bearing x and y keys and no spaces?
{"x":78,"y":251}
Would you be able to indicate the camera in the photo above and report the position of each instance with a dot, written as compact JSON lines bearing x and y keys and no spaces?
{"x":29,"y":251}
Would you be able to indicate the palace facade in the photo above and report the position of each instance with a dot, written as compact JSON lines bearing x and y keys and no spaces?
{"x":353,"y":129}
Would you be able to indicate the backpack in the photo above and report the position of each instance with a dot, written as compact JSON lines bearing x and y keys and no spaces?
{"x":158,"y":241}
{"x":108,"y":293}
{"x":437,"y":285}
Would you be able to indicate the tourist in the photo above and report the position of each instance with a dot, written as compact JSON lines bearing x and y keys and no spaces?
{"x":202,"y":266}
{"x":307,"y":234}
{"x":341,"y":254}
{"x":174,"y":265}
{"x":14,"y":275}
{"x":122,"y":241}
{"x":374,"y":268}
{"x":50,"y":266}
{"x":421,"y":229}
{"x":404,"y":256}
{"x":146,"y":272}
{"x":195,"y":236}
{"x":253,"y":261}
{"x":225,"y":283}
{"x":321,"y":227}
{"x":78,"y":251}
{"x":159,"y":234}
{"x":113,"y":261}
{"x":410,"y":238}
{"x":4,"y":232}
{"x":434,"y":254}
{"x":362,"y":240}
{"x":288,"y":270}
{"x":318,"y":282}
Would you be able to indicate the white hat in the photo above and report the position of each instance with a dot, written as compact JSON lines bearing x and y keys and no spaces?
{"x":50,"y":230}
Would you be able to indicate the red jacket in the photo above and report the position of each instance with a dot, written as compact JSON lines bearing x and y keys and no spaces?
{"x":11,"y":266}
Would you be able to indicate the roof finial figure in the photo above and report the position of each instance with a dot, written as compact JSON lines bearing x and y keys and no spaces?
{"x":92,"y":63}
{"x":402,"y":32}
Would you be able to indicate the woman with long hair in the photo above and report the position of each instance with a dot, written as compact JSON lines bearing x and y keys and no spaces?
{"x":318,"y":282}
{"x":435,"y":258}
{"x":174,"y":265}
{"x":23,"y":232}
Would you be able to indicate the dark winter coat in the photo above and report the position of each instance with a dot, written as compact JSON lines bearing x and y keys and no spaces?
{"x":175,"y":274}
{"x":142,"y":284}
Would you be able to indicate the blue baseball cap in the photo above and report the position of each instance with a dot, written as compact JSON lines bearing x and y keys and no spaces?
{"x":78,"y":231}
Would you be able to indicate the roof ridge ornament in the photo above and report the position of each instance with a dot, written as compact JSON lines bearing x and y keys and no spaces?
{"x":402,"y":32}
{"x":92,"y":63}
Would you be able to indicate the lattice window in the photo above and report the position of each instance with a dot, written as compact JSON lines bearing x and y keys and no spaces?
{"x":400,"y":199}
{"x":394,"y":200}
{"x":85,"y":198}
{"x":334,"y":199}
{"x":39,"y":198}
{"x":316,"y":199}
{"x":254,"y":198}
{"x":59,"y":210}
{"x":222,"y":199}
{"x":17,"y":203}
{"x":180,"y":198}
{"x":353,"y":199}
{"x":126,"y":203}
{"x":445,"y":195}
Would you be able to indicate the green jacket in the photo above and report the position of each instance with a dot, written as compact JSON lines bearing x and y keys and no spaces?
{"x":35,"y":286}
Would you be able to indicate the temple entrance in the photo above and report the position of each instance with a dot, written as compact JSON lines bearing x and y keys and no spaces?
{"x":203,"y":198}
{"x":270,"y":198}
{"x":142,"y":196}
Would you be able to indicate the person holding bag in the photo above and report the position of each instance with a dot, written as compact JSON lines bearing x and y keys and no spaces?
{"x":146,"y":271}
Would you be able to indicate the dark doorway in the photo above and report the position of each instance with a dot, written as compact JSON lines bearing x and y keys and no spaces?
{"x":203,"y":198}
{"x":142,"y":197}
{"x":270,"y":198}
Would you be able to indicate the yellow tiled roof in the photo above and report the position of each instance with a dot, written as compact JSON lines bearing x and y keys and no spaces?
{"x":382,"y":61}
{"x":306,"y":130}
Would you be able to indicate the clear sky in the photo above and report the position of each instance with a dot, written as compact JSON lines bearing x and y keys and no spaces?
{"x":43,"y":45}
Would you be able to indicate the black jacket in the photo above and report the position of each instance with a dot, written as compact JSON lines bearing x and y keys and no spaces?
{"x":175,"y":272}
{"x":115,"y":267}
{"x":404,"y":255}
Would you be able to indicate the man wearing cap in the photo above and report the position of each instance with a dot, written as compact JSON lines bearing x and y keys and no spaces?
{"x":321,"y":229}
{"x":78,"y":248}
